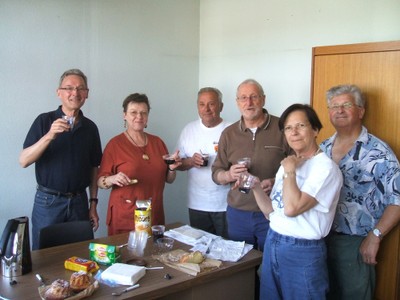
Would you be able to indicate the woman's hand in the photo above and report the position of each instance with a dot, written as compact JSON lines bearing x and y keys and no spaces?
{"x":178,"y":161}
{"x":291,"y":163}
{"x":119,"y":179}
{"x":267,"y":185}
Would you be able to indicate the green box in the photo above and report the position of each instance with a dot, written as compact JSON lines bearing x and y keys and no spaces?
{"x":104,"y":254}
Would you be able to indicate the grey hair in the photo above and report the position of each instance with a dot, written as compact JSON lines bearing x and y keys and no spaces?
{"x":252,"y":81}
{"x":349,"y":89}
{"x":76,"y":72}
{"x":212,"y":90}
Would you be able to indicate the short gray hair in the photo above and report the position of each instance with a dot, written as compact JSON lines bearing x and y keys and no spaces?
{"x":252,"y":81}
{"x":343,"y":89}
{"x":76,"y":72}
{"x":212,"y":90}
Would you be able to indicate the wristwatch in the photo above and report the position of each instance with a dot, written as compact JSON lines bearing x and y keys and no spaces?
{"x":377,"y":233}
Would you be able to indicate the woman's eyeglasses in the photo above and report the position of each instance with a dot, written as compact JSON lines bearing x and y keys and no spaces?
{"x":297,"y":127}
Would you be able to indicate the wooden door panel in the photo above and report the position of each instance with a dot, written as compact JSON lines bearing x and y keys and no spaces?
{"x":375,"y":68}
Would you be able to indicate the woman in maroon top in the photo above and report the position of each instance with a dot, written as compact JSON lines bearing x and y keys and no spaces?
{"x":132,"y":165}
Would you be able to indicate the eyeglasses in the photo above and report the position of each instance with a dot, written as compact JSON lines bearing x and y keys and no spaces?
{"x":346,"y":106}
{"x":251,"y":97}
{"x":298,"y":127}
{"x":137,"y":113}
{"x":70,"y":89}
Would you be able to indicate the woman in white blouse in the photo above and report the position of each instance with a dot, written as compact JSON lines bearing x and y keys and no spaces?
{"x":301,"y":208}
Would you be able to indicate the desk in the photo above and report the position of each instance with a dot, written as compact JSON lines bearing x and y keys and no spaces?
{"x":230,"y":281}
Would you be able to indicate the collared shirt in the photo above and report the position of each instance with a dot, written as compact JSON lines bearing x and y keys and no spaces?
{"x":371,"y":183}
{"x":266,"y":147}
{"x":67,"y":163}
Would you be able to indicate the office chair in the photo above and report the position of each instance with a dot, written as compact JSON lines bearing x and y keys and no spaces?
{"x":65,"y":233}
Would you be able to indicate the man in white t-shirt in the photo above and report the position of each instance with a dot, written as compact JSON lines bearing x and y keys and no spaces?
{"x":206,"y":200}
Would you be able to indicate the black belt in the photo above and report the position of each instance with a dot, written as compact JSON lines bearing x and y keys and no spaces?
{"x":57,"y":193}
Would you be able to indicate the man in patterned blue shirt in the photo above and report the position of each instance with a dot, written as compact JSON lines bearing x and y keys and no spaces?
{"x":369,"y":203}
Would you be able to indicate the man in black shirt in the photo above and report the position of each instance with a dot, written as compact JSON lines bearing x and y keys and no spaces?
{"x":65,"y":147}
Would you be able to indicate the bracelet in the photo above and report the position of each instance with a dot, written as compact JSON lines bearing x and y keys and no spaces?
{"x":169,"y":169}
{"x":288,"y":174}
{"x":106,"y":186}
{"x":95,"y":200}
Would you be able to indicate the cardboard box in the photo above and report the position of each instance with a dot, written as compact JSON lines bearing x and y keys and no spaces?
{"x":104,"y":254}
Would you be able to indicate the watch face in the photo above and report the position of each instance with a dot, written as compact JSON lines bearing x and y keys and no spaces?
{"x":377,"y":232}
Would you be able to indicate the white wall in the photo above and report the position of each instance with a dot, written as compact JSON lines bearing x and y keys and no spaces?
{"x":123,"y":47}
{"x":167,"y":49}
{"x":272,"y":40}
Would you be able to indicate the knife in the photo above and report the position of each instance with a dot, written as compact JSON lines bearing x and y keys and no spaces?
{"x":126,"y":290}
{"x":40,"y":278}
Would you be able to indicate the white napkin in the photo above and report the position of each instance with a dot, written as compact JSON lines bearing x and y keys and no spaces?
{"x":188,"y":232}
{"x":123,"y":274}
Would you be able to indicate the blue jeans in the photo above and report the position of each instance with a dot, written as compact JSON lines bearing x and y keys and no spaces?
{"x":293,"y":268}
{"x":248,"y":226}
{"x":49,"y":209}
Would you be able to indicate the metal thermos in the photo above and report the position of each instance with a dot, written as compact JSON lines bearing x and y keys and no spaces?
{"x":15,"y":253}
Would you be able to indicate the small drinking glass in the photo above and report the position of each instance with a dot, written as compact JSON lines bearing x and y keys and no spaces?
{"x":165,"y":244}
{"x":246,"y":182}
{"x":70,"y":121}
{"x":246,"y":161}
{"x":169,"y":159}
{"x":157,"y":232}
{"x":206,"y":157}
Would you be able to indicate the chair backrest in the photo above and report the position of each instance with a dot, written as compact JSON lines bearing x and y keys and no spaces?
{"x":65,"y":233}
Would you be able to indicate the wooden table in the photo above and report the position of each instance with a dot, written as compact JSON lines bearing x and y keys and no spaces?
{"x":230,"y":281}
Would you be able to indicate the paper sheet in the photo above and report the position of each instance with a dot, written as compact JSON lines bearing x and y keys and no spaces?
{"x":211,"y":245}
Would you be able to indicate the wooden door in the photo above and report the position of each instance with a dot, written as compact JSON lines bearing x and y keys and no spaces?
{"x":375,"y":68}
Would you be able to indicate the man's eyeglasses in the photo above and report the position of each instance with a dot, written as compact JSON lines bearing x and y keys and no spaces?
{"x":298,"y":127}
{"x":251,"y":97}
{"x":346,"y":105}
{"x":70,"y":89}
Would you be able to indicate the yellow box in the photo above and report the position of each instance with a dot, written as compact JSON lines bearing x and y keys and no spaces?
{"x":76,"y":264}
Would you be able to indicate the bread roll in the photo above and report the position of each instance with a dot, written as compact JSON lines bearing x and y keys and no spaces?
{"x":58,"y":290}
{"x":195,"y":257}
{"x":79,"y":281}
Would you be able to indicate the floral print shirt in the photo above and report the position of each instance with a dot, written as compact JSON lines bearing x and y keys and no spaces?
{"x":371,"y":182}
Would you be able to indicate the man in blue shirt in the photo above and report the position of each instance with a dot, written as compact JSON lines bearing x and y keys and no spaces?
{"x":65,"y":147}
{"x":369,"y":204}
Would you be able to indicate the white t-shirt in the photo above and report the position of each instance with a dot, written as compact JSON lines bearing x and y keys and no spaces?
{"x":203,"y":193}
{"x":320,"y":178}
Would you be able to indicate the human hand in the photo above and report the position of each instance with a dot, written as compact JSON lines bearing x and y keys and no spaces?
{"x":196,"y":160}
{"x":369,"y":249}
{"x":267,"y":185}
{"x":120,"y":179}
{"x":178,"y":161}
{"x":291,"y":162}
{"x":58,"y":126}
{"x":94,"y":218}
{"x":235,"y":171}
